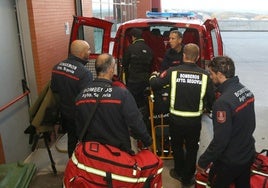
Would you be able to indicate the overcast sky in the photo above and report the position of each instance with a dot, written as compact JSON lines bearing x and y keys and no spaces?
{"x":256,"y":6}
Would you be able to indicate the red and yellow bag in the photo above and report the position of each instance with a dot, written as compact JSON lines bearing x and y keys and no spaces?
{"x":100,"y":165}
{"x":259,"y":173}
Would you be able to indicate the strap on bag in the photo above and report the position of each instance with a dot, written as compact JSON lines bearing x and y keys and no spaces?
{"x":265,"y":183}
{"x":87,"y":124}
{"x":147,"y":183}
{"x":265,"y":150}
{"x":108,"y":177}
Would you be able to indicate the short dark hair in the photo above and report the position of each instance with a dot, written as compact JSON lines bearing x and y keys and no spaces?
{"x":223,"y":64}
{"x":135,"y":32}
{"x":177,"y":32}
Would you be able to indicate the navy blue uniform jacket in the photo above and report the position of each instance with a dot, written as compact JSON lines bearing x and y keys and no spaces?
{"x":68,"y":79}
{"x":116,"y":116}
{"x":233,"y":125}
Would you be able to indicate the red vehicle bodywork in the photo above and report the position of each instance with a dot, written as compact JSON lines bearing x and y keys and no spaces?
{"x":205,"y":34}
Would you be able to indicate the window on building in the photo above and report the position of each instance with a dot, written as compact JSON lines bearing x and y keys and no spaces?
{"x":115,"y":11}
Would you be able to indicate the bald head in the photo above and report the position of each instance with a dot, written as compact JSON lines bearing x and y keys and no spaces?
{"x":81,"y":49}
{"x":190,"y":53}
{"x":104,"y":66}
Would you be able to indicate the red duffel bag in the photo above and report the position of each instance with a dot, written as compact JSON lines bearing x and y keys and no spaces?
{"x":256,"y":181}
{"x":259,"y":169}
{"x":201,"y":181}
{"x":259,"y":173}
{"x":100,"y":165}
{"x":261,"y":162}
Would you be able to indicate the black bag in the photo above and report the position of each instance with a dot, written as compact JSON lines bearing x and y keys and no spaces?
{"x":161,"y":101}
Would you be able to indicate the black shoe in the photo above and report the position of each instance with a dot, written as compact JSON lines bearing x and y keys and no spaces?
{"x":188,"y":184}
{"x":174,"y":175}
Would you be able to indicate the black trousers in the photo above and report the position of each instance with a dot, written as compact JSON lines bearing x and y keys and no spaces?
{"x":69,"y":126}
{"x":184,"y":142}
{"x":138,"y":92}
{"x":222,"y":175}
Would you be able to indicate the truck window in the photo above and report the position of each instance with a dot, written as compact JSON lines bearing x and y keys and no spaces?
{"x":94,"y":36}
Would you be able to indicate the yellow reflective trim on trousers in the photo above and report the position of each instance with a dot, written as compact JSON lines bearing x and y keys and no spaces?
{"x":114,"y":176}
{"x":173,"y":96}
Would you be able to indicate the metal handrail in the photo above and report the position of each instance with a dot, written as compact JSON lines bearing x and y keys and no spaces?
{"x":14,"y":101}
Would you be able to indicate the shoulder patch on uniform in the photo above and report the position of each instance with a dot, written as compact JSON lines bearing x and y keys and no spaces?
{"x":163,"y":74}
{"x":221,"y":116}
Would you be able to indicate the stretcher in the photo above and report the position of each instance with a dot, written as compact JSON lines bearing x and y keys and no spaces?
{"x":43,"y":115}
{"x":159,"y":131}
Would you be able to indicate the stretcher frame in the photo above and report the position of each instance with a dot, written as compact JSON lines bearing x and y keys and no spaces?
{"x":161,"y":153}
{"x":37,"y":114}
{"x":45,"y":132}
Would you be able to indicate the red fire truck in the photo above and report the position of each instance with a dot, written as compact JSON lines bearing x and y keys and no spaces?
{"x":156,"y":27}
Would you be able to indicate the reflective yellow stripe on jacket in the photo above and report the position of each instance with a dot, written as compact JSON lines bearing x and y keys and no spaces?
{"x":173,"y":96}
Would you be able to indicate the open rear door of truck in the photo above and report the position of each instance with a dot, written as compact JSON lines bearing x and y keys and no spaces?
{"x":96,"y":32}
{"x":214,"y":41}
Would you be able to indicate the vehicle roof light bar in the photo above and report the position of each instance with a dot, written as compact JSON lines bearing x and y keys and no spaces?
{"x":187,"y":14}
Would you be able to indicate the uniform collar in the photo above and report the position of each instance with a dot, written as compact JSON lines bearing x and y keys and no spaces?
{"x":189,"y":63}
{"x":72,"y":57}
{"x":104,"y":81}
{"x":227,"y":83}
{"x":137,"y":40}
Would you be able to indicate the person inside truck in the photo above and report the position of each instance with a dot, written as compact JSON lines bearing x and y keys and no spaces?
{"x":137,"y":64}
{"x":173,"y":56}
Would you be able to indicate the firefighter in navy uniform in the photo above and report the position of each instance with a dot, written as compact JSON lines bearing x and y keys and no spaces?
{"x":116,"y":117}
{"x":69,"y":77}
{"x":191,"y":90}
{"x":174,"y":55}
{"x":233,"y":146}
